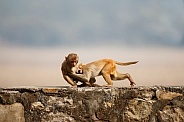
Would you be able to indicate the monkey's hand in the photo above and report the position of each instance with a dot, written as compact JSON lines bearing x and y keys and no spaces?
{"x":75,"y":86}
{"x":69,"y":80}
{"x":79,"y":77}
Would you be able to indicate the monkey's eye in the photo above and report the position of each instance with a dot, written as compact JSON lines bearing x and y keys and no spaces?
{"x":74,"y":61}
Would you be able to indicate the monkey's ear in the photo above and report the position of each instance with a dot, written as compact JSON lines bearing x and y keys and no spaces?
{"x":66,"y":58}
{"x":80,"y":64}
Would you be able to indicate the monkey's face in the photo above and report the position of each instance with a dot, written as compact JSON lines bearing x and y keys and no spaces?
{"x":73,"y":63}
{"x":72,"y":60}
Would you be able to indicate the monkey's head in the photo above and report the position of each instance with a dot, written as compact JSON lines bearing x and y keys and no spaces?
{"x":72,"y":59}
{"x":79,"y":69}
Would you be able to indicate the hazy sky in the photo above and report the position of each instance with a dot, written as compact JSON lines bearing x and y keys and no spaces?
{"x":36,"y":35}
{"x":118,"y":22}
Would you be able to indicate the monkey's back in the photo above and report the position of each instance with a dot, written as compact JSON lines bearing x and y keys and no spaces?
{"x":96,"y":67}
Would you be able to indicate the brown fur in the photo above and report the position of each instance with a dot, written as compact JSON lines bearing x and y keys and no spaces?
{"x":69,"y":70}
{"x":68,"y":67}
{"x":106,"y":68}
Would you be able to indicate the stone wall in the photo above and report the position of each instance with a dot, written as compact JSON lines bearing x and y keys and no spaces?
{"x":89,"y":104}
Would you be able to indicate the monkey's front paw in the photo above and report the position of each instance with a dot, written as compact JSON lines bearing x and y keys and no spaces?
{"x":75,"y":86}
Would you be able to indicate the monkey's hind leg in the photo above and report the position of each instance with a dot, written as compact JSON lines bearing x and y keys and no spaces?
{"x":119,"y":76}
{"x":107,"y":78}
{"x":106,"y":73}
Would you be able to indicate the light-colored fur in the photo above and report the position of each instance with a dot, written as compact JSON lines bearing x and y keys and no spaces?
{"x":106,"y":68}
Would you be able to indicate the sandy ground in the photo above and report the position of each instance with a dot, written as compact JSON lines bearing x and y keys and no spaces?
{"x":41,"y":66}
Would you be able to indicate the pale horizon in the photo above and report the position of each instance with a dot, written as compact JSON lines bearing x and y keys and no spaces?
{"x":41,"y":67}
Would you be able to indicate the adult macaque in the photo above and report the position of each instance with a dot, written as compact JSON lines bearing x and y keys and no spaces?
{"x":69,"y":70}
{"x":106,"y":68}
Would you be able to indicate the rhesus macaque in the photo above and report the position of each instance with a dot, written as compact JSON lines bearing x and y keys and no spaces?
{"x":106,"y":68}
{"x":69,"y":70}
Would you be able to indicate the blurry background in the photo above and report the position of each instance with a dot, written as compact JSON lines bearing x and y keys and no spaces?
{"x":35,"y":36}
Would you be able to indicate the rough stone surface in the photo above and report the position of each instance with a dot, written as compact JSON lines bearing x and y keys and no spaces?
{"x":12,"y":113}
{"x":92,"y":104}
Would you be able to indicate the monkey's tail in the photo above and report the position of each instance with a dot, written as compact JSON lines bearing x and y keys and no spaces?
{"x":126,"y":63}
